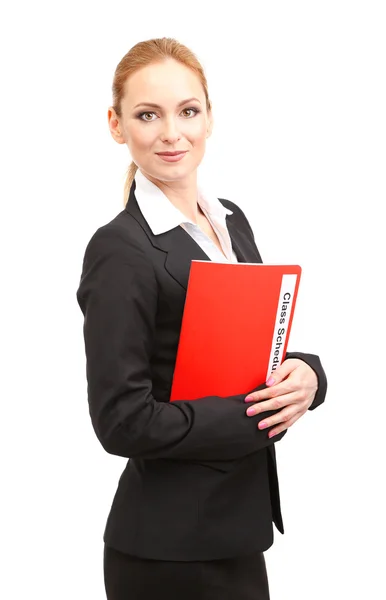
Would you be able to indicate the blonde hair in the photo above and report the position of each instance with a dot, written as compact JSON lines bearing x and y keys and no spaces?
{"x":142,"y":55}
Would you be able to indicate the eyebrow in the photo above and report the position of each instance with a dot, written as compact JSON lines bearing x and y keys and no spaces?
{"x":158,"y":106}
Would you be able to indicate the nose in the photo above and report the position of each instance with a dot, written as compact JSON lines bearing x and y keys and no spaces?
{"x":170,"y":131}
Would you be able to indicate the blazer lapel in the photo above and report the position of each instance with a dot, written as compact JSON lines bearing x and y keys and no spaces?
{"x":242,"y":240}
{"x":180,"y":248}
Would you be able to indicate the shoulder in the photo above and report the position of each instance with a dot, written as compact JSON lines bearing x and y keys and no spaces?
{"x":122,"y":236}
{"x":115,"y":258}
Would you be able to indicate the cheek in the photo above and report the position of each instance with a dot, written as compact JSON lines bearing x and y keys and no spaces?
{"x":139,"y":138}
{"x":198,"y":132}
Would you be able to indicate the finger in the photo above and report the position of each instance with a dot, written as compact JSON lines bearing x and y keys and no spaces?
{"x":284,"y":387}
{"x":284,"y":426}
{"x":273,"y":404}
{"x":283,"y":371}
{"x":283,"y":416}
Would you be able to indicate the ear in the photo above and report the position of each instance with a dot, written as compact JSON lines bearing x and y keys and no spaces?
{"x":210,"y":124}
{"x":114,"y":126}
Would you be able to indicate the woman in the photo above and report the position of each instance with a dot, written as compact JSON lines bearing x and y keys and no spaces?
{"x":194,"y":507}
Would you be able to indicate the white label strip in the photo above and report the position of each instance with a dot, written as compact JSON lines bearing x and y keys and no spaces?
{"x":284,"y":310}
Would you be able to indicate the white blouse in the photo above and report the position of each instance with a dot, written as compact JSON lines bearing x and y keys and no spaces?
{"x":161,"y":215}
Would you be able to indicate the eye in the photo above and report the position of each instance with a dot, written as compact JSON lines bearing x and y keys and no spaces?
{"x":195,"y":110}
{"x":143,"y":115}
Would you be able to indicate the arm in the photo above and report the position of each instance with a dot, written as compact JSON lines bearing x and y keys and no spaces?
{"x":118,"y":296}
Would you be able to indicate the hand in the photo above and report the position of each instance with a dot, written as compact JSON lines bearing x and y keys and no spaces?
{"x":292,"y":387}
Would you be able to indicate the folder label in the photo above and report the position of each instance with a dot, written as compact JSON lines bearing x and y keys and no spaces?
{"x":283,"y":314}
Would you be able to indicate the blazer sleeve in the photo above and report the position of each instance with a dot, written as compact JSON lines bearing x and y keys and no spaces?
{"x":311,"y":359}
{"x":118,"y":297}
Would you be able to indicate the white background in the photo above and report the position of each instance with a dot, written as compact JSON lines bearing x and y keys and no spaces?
{"x":298,"y":90}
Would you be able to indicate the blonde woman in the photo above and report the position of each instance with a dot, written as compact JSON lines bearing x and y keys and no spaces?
{"x":193,"y":511}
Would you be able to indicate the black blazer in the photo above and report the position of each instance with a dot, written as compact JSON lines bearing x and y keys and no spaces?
{"x":201,"y":482}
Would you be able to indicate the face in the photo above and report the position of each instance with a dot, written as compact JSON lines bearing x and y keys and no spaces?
{"x":163,"y":110}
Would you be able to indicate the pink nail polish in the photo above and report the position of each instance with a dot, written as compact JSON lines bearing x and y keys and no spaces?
{"x":250,"y":411}
{"x":262,"y":425}
{"x":270,"y":381}
{"x":248,"y":398}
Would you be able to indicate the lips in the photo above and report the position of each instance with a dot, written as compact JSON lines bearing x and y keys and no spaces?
{"x":172,"y":157}
{"x":172,"y":153}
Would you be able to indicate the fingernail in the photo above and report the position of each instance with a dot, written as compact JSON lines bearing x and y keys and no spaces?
{"x":248,"y":398}
{"x":271,"y":434}
{"x":270,"y":381}
{"x":250,"y":411}
{"x":262,"y":425}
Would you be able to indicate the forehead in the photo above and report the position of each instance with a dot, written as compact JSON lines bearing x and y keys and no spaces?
{"x":164,"y":83}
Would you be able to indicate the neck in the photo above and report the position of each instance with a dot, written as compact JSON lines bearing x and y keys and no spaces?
{"x":183,"y":194}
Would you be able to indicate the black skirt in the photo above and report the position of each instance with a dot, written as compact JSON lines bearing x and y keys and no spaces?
{"x":131,"y":578}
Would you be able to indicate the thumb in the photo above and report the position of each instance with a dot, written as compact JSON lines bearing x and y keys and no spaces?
{"x":281,"y":373}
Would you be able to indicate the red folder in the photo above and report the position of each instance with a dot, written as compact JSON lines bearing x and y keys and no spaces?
{"x":235,"y":328}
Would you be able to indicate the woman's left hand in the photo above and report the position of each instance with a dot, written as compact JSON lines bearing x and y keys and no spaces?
{"x":292,"y":387}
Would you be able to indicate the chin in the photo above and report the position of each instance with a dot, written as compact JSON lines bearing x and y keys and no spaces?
{"x":170,"y":172}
